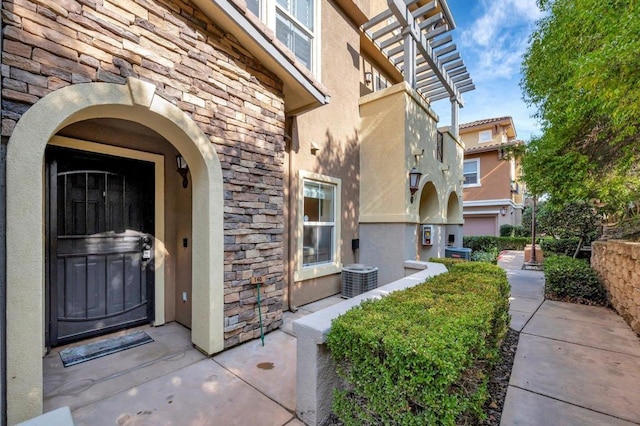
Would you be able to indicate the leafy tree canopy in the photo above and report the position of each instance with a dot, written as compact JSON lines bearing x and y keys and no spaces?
{"x":581,"y":71}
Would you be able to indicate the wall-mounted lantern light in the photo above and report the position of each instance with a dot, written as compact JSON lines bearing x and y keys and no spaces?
{"x":503,"y":211}
{"x":414,"y":181}
{"x":183,"y":169}
{"x":368,"y":77}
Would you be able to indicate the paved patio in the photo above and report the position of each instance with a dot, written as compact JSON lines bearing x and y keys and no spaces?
{"x":575,"y":365}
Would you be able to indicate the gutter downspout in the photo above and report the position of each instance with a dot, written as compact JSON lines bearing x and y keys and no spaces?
{"x":293,"y":148}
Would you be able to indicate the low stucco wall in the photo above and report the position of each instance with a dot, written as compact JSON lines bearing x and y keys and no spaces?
{"x":618,"y":265}
{"x":316,"y":376}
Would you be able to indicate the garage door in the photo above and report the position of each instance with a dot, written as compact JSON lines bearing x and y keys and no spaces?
{"x":480,"y":225}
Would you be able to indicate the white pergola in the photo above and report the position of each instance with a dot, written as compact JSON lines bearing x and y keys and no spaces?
{"x":412,"y":35}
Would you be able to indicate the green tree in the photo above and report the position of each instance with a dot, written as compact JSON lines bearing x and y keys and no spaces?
{"x":581,"y":71}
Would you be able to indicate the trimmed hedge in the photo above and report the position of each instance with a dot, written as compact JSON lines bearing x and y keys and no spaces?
{"x":489,"y":243}
{"x":419,"y":356}
{"x":480,"y":243}
{"x":561,"y":246}
{"x":572,"y":280}
{"x":448,"y":261}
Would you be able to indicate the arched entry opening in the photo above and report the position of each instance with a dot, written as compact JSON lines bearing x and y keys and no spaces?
{"x":136,"y":102}
{"x":430,"y":218}
{"x":429,"y":203}
{"x":454,"y":220}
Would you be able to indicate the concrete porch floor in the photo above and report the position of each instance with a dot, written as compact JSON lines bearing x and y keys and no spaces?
{"x":574,"y":365}
{"x":169,"y":382}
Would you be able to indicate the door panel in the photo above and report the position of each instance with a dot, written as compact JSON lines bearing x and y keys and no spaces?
{"x":103,"y":207}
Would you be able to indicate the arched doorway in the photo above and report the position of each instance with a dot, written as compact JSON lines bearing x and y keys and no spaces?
{"x":135,"y":101}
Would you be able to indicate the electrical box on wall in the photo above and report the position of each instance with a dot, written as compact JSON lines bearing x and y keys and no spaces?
{"x":427,"y":235}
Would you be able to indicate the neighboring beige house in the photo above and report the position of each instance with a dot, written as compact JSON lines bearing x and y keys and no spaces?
{"x":493,"y":192}
{"x":163,"y":155}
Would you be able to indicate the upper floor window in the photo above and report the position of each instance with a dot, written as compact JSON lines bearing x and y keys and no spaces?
{"x":471,"y":172}
{"x":254,"y":7}
{"x":485,"y":136}
{"x":294,"y":22}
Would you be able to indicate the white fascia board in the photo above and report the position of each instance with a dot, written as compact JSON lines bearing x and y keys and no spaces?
{"x":488,"y":203}
{"x":481,"y":213}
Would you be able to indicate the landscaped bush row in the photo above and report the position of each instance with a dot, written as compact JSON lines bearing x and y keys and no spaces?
{"x":489,"y":242}
{"x":419,"y":356}
{"x":514,"y":231}
{"x":447,"y":261}
{"x":572,"y":280}
{"x":561,"y":246}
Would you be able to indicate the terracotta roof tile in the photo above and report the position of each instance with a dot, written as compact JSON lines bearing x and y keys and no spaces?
{"x":484,"y":121}
{"x":492,"y":146}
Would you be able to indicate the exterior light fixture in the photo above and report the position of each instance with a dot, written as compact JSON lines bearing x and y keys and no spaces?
{"x":414,"y":181}
{"x":183,"y":169}
{"x":503,"y":211}
{"x":368,"y":77}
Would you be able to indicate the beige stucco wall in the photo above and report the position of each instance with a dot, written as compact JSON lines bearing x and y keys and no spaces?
{"x":398,"y":133}
{"x":327,"y":142}
{"x":618,"y":265}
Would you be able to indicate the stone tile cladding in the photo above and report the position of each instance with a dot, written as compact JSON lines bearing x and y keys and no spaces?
{"x":237,"y":103}
{"x":618,"y":264}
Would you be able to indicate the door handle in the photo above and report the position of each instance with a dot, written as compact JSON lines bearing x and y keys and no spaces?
{"x":145,"y":243}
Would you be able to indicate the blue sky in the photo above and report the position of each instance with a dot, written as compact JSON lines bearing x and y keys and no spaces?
{"x":491,"y":37}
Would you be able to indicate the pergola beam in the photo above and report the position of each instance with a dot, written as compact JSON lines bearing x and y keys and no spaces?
{"x":413,"y":41}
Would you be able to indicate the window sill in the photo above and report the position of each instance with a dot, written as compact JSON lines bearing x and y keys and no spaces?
{"x":317,"y":271}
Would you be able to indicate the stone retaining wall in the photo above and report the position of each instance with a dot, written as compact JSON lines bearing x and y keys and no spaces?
{"x":236,"y":102}
{"x":618,"y":264}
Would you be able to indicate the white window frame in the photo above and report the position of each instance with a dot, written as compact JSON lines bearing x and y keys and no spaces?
{"x":303,"y":272}
{"x":472,"y":185}
{"x":482,"y":136}
{"x":268,"y":14}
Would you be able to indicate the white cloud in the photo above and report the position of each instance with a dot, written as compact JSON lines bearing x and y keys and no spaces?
{"x":498,"y":37}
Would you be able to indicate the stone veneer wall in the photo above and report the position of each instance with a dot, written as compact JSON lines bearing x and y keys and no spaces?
{"x":618,"y":264}
{"x":238,"y":104}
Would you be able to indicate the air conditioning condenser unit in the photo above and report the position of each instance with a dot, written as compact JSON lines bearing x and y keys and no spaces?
{"x":358,"y":279}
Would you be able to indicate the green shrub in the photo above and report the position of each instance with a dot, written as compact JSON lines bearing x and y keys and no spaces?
{"x":485,"y":256}
{"x":506,"y":230}
{"x":480,"y":243}
{"x":488,"y":243}
{"x":572,"y":280}
{"x":560,"y":246}
{"x":447,"y":261}
{"x":419,"y":356}
{"x":521,"y":231}
{"x":512,"y":243}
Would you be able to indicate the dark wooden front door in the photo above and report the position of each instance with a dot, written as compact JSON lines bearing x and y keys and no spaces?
{"x":100,"y":244}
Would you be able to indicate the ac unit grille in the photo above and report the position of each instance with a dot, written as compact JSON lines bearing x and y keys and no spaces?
{"x":458,"y":253}
{"x":358,"y":279}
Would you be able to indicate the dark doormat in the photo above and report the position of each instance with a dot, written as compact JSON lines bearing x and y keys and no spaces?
{"x":73,"y":356}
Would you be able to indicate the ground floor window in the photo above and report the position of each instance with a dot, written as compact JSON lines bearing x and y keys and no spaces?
{"x":319,"y":225}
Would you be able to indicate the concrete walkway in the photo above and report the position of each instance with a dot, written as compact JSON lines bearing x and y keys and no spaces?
{"x":575,"y":364}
